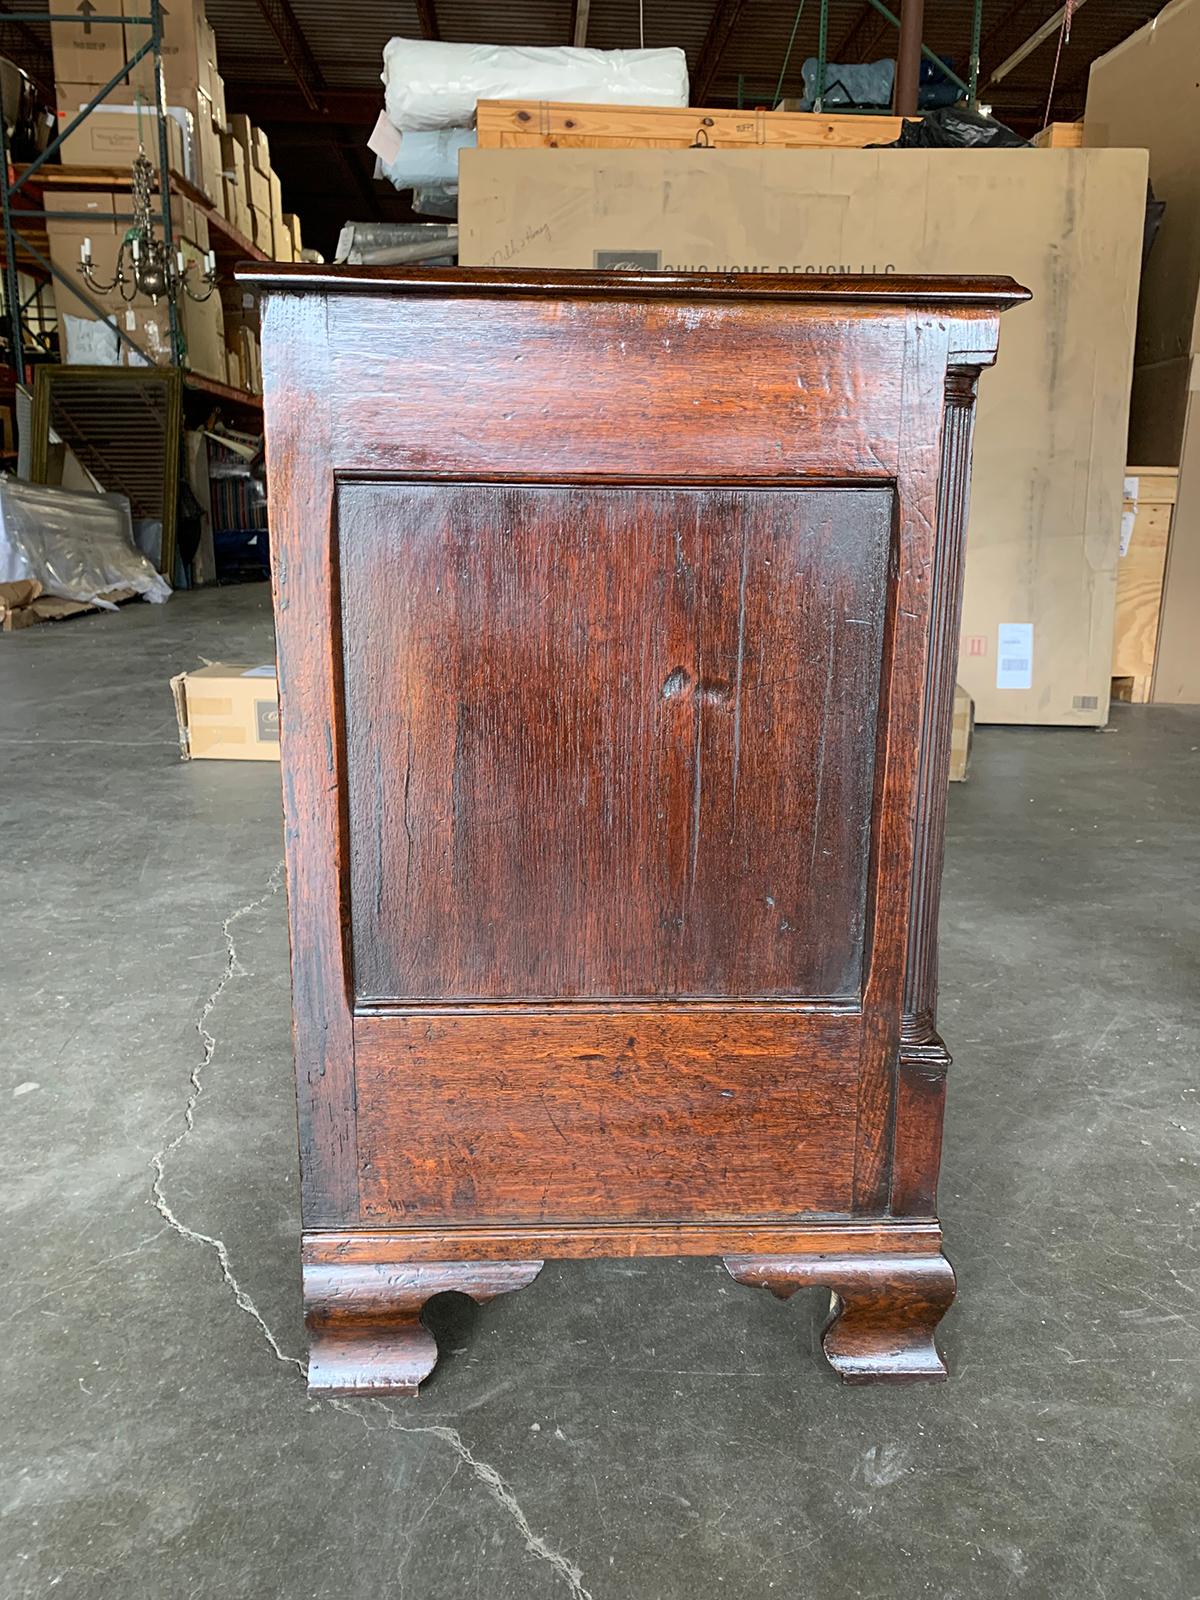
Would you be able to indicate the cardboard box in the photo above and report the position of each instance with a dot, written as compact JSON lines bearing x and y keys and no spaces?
{"x":183,"y":47}
{"x":1050,"y":437}
{"x":237,"y":209}
{"x":262,"y":232}
{"x":260,"y":150}
{"x":220,"y":114}
{"x":1145,"y":541}
{"x":1147,"y":92}
{"x":276,"y":206}
{"x":111,"y":136}
{"x":256,"y":183}
{"x":962,"y":735}
{"x":208,"y":56}
{"x":85,"y":52}
{"x":203,"y":325}
{"x":292,"y":223}
{"x":209,"y":140}
{"x":227,"y":712}
{"x":241,"y":336}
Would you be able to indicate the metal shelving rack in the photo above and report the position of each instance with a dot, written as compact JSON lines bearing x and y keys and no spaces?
{"x":14,"y":185}
{"x":970,"y":89}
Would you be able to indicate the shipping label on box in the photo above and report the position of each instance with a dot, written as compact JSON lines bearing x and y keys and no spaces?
{"x":227,"y":712}
{"x":1014,"y":655}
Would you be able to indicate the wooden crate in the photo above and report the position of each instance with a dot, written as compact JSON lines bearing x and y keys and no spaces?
{"x":1145,"y":539}
{"x":529,"y":124}
{"x":962,"y":734}
{"x":1060,"y":136}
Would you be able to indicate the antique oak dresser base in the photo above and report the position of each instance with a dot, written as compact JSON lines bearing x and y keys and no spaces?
{"x":364,"y":1293}
{"x":617,"y":622}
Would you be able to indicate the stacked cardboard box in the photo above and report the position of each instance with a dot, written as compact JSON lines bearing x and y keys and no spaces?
{"x":251,"y":166}
{"x":226,"y":158}
{"x":188,"y":63}
{"x":241,"y":338}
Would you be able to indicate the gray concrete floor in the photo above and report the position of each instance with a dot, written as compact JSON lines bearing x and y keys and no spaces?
{"x":620,"y":1431}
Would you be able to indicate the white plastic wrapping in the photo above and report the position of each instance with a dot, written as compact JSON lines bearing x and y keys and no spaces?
{"x":429,"y":160}
{"x":78,"y":546}
{"x":429,"y":84}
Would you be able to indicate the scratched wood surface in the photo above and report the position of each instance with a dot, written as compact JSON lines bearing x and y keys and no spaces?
{"x":668,"y":1115}
{"x":610,"y":741}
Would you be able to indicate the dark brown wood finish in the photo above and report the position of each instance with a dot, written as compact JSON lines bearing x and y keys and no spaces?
{"x":563,"y":832}
{"x":364,"y":1317}
{"x":883,"y":1313}
{"x":617,"y":620}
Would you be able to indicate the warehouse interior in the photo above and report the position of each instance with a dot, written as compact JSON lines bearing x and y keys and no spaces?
{"x":194,"y":198}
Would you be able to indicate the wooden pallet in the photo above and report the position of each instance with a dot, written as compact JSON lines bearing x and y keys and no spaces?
{"x":1140,"y":581}
{"x":532,"y":124}
{"x":1060,"y":136}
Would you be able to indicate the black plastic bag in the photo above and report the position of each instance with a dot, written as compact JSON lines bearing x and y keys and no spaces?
{"x":954,"y":127}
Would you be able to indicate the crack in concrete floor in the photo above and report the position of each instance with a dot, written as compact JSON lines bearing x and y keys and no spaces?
{"x":483,"y":1471}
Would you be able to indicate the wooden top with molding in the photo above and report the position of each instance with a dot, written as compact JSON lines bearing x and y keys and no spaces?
{"x":988,"y":293}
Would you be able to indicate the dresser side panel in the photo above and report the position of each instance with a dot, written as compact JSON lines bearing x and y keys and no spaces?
{"x":298,"y":417}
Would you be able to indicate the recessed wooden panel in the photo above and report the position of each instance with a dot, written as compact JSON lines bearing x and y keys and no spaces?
{"x":610,"y":741}
{"x":575,"y":1116}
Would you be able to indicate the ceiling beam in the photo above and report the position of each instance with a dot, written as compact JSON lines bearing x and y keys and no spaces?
{"x":851,"y":38}
{"x":427,"y":20}
{"x":720,"y":31}
{"x":357,"y":107}
{"x":998,"y":29}
{"x":1035,"y":39}
{"x":297,"y":52}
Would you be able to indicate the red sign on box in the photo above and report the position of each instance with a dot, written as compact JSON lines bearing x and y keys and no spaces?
{"x":974,"y":644}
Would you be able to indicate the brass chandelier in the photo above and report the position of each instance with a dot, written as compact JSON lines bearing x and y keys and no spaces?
{"x":144,"y":265}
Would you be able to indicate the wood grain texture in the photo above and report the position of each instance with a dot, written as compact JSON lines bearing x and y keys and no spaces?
{"x":613,"y":608}
{"x":616,"y":386}
{"x":937,"y":712}
{"x":575,"y":1116}
{"x":1140,"y":576}
{"x":592,"y":1241}
{"x":917,"y":1135}
{"x":364,"y":1316}
{"x":884,"y":1312}
{"x":964,"y":298}
{"x":529,"y":124}
{"x":897,"y":734}
{"x":610,"y":741}
{"x":296,"y":402}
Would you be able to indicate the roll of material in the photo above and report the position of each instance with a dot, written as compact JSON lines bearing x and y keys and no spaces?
{"x":429,"y":84}
{"x":429,"y":160}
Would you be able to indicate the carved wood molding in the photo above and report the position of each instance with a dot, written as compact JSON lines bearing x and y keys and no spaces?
{"x":884,"y":1311}
{"x":364,"y":1317}
{"x":920,"y":994}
